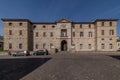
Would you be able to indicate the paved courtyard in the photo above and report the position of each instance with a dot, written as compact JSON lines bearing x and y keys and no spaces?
{"x":78,"y":67}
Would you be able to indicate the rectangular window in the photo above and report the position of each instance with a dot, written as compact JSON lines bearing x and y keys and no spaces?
{"x":51,"y":45}
{"x":10,"y":45}
{"x":10,"y":32}
{"x":44,"y":34}
{"x":20,"y":32}
{"x":51,"y":34}
{"x":89,"y":25}
{"x":90,"y":34}
{"x":110,"y":23}
{"x":36,"y":46}
{"x":89,"y":46}
{"x":102,"y":32}
{"x":102,"y":23}
{"x":102,"y":46}
{"x":73,"y":34}
{"x":111,"y":32}
{"x":64,"y":33}
{"x":73,"y":26}
{"x":81,"y":46}
{"x":20,"y":46}
{"x":44,"y":46}
{"x":80,"y":25}
{"x":81,"y":34}
{"x":110,"y":46}
{"x":36,"y":34}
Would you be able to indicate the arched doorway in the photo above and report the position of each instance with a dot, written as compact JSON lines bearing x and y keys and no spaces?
{"x":64,"y":45}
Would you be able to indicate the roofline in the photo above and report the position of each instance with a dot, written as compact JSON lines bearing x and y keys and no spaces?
{"x":91,"y":22}
{"x":83,"y":22}
{"x":43,"y":23}
{"x":11,"y":19}
{"x":106,"y":20}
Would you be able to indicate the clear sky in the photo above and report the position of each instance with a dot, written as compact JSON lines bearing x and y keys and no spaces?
{"x":51,"y":10}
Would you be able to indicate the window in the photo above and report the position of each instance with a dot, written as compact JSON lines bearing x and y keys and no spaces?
{"x":20,"y":46}
{"x":110,"y":39}
{"x":102,"y":32}
{"x":102,"y":23}
{"x":51,"y":34}
{"x":89,"y":25}
{"x":73,"y":34}
{"x":110,"y":46}
{"x":81,"y":46}
{"x":73,"y":26}
{"x":44,"y":45}
{"x":53,"y":26}
{"x":44,"y":26}
{"x":102,"y":39}
{"x":20,"y":24}
{"x":110,"y":23}
{"x":111,"y":32}
{"x":44,"y":34}
{"x":64,"y":32}
{"x":36,"y":34}
{"x":81,"y":34}
{"x":36,"y":46}
{"x":89,"y":46}
{"x":102,"y":46}
{"x":10,"y":24}
{"x":90,"y":34}
{"x":34,"y":26}
{"x":20,"y":32}
{"x":80,"y":25}
{"x":118,"y":44}
{"x":10,"y":32}
{"x":10,"y":45}
{"x":51,"y":45}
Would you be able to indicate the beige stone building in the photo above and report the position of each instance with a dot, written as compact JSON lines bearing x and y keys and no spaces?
{"x":62,"y":35}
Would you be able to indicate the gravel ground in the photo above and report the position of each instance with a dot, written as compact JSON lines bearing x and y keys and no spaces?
{"x":78,"y":67}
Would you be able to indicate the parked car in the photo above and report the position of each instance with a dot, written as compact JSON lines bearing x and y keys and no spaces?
{"x":21,"y":53}
{"x":41,"y":52}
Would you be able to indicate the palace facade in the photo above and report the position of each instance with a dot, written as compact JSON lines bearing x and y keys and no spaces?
{"x":61,"y":35}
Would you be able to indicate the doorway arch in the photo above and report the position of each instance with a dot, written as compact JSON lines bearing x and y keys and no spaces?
{"x":64,"y":45}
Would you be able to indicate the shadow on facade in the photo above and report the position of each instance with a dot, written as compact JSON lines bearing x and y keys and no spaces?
{"x":14,"y":69}
{"x":116,"y":57}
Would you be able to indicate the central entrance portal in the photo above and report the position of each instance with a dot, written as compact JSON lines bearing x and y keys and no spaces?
{"x":64,"y":45}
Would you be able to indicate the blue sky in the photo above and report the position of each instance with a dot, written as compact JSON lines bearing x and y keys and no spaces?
{"x":51,"y":10}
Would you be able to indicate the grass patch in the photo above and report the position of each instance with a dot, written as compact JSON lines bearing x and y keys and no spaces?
{"x":1,"y":49}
